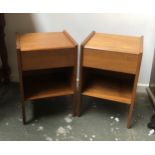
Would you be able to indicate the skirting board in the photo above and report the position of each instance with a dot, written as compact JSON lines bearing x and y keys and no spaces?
{"x":150,"y":95}
{"x":141,"y":88}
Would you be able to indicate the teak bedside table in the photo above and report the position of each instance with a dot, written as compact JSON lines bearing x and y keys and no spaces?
{"x":47,"y":66}
{"x":110,"y":67}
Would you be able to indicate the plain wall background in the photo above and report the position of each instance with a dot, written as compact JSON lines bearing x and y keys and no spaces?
{"x":79,"y":26}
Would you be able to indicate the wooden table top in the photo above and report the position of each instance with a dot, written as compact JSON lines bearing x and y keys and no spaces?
{"x":45,"y":41}
{"x":117,"y":43}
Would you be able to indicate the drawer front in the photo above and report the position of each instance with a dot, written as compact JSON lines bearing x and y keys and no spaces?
{"x":114,"y":61}
{"x":48,"y":59}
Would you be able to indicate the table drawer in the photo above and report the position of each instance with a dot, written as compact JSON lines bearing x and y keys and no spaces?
{"x":48,"y":59}
{"x":114,"y":61}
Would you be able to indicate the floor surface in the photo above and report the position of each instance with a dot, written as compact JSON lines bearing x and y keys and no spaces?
{"x":52,"y":120}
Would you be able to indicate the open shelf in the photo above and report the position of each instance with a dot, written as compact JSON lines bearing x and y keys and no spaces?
{"x":108,"y":85}
{"x":48,"y":83}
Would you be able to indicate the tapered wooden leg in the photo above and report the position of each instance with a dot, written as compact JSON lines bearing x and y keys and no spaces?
{"x":23,"y":112}
{"x":130,"y":116}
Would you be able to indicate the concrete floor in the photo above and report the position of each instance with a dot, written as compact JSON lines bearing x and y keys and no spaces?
{"x":51,"y":119}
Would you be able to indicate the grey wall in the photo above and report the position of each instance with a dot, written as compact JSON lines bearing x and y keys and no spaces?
{"x":79,"y":26}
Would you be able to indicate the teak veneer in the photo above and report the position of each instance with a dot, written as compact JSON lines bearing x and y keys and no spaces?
{"x":47,"y":66}
{"x":109,"y":68}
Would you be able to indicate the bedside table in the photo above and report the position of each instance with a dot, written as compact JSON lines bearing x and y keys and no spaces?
{"x":47,"y":66}
{"x":110,"y":67}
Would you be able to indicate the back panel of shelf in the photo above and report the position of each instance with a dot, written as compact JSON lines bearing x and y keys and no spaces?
{"x":108,"y":85}
{"x":48,"y":83}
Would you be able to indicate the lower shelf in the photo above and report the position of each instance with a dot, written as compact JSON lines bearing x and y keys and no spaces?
{"x":108,"y":87}
{"x":47,"y":85}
